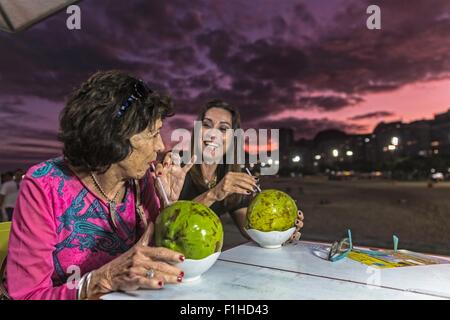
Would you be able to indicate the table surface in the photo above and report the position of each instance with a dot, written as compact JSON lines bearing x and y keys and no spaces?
{"x":297,"y":271}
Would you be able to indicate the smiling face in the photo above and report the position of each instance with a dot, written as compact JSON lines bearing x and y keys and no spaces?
{"x":146,"y":146}
{"x":216,"y":136}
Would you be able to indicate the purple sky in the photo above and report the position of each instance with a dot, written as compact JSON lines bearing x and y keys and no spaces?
{"x":309,"y":65}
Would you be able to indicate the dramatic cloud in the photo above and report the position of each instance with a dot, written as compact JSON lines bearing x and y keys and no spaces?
{"x":302,"y":56}
{"x":9,"y":109}
{"x":372,"y":115}
{"x":187,"y":50}
{"x":329,"y":103}
{"x":308,"y":128}
{"x":412,"y":46}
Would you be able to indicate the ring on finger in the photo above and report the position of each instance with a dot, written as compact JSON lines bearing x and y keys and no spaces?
{"x":150,"y":273}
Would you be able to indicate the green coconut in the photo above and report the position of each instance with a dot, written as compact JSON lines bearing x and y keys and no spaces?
{"x":190,"y":228}
{"x":271,"y":210}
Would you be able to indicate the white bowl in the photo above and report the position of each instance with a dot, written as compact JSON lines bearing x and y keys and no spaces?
{"x":193,"y":269}
{"x":270,"y":239}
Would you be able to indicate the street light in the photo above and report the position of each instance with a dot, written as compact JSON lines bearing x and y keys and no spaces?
{"x":318,"y":157}
{"x":391,"y":147}
{"x":296,"y":159}
{"x":335,"y":153}
{"x":394,"y":141}
{"x":270,"y":161}
{"x":349,"y":153}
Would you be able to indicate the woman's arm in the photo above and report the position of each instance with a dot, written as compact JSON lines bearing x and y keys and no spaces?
{"x":30,"y":256}
{"x":207,"y":198}
{"x":32,"y":241}
{"x":233,"y":182}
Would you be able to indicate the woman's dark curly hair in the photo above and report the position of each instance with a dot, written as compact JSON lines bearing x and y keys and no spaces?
{"x":94,"y":137}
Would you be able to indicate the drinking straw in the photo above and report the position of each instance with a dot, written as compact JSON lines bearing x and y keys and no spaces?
{"x":161,"y":188}
{"x":250,"y":174}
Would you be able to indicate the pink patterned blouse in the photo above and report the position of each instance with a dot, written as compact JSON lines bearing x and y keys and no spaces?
{"x":60,"y":227}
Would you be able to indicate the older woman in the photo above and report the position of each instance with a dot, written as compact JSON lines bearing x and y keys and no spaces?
{"x":90,"y":213}
{"x":218,"y":184}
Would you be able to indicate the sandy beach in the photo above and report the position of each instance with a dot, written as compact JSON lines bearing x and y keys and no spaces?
{"x":373,"y":210}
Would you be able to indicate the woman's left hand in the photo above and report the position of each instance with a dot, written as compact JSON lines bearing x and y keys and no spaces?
{"x":172,"y":175}
{"x":298,"y":226}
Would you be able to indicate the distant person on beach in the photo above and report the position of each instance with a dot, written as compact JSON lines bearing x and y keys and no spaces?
{"x":8,"y":195}
{"x":18,"y":176}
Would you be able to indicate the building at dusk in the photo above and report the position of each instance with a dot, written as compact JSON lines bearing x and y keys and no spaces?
{"x":390,"y":141}
{"x":440,"y":133}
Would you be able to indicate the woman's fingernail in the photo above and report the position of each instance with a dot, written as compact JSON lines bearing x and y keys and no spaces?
{"x":181,"y":258}
{"x":182,"y":274}
{"x":179,"y":279}
{"x":160,"y":283}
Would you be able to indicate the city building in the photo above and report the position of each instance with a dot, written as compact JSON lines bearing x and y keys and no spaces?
{"x":388,"y":142}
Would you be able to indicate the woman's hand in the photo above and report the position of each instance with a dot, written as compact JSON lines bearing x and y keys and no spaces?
{"x":172,"y":175}
{"x":234,"y":182}
{"x":131,"y":270}
{"x":298,"y":225}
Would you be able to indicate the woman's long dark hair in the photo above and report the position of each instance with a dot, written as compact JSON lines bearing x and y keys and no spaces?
{"x":223,"y":168}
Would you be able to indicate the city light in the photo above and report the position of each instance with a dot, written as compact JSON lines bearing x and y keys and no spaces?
{"x":277,"y":162}
{"x":394,"y":141}
{"x":270,"y":161}
{"x":424,"y":142}
{"x":335,"y":153}
{"x":263,"y":164}
{"x":435,"y":143}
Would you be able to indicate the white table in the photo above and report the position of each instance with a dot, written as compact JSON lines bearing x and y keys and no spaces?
{"x":296,"y":272}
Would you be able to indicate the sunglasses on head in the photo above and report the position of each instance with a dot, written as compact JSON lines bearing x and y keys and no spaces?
{"x":140,"y":91}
